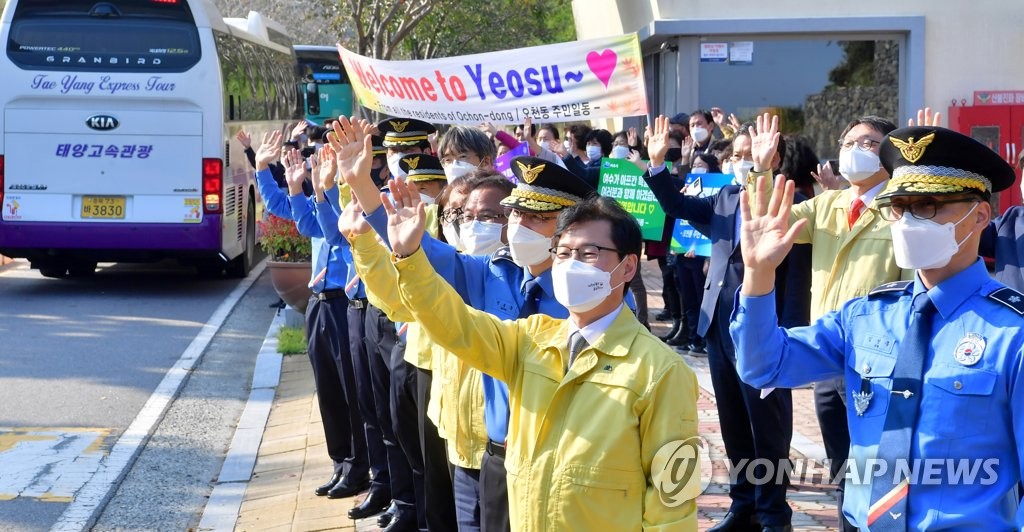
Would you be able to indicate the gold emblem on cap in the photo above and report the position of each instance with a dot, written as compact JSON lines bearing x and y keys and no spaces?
{"x":399,"y":127}
{"x":412,"y":162}
{"x":913,"y":150}
{"x":530,"y":173}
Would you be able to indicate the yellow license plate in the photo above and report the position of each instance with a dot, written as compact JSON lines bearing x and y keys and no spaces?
{"x":103,"y":206}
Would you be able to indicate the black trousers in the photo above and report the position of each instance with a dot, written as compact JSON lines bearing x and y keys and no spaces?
{"x":669,"y":292}
{"x":690,"y":282}
{"x":830,"y":405}
{"x":752,"y":428}
{"x":380,"y":341}
{"x":378,"y":459}
{"x":405,"y":423}
{"x":494,"y":494}
{"x":437,"y":483}
{"x":636,"y":284}
{"x":333,"y":375}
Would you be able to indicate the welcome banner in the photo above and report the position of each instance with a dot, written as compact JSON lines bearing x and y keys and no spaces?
{"x":580,"y":80}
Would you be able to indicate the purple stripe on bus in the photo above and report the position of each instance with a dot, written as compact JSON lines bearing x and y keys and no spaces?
{"x":36,"y":235}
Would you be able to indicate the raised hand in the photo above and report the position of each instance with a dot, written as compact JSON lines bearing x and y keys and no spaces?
{"x":314,"y":174}
{"x":294,"y":171}
{"x":488,"y":128}
{"x":765,"y":234}
{"x":351,"y":221}
{"x":632,"y":138}
{"x":529,"y":139}
{"x":353,"y":147}
{"x":328,"y":168}
{"x":657,"y":140}
{"x":407,"y":218}
{"x":269,"y":151}
{"x":827,"y":178}
{"x":925,"y":118}
{"x":298,"y":130}
{"x":764,"y":141}
{"x":634,"y":157}
{"x":718,"y":116}
{"x":244,"y":139}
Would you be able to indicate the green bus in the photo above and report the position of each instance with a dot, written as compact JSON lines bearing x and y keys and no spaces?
{"x":325,"y":89}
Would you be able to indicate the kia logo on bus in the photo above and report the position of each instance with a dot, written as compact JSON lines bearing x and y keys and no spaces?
{"x":102,"y":122}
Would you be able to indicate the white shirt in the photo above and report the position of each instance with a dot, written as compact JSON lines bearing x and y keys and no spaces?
{"x":591,"y":333}
{"x":869,"y":196}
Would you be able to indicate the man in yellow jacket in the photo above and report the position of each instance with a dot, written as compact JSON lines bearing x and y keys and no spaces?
{"x":593,"y":398}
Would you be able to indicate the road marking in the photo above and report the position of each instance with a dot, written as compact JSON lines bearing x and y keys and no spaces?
{"x":90,"y":500}
{"x":49,"y":463}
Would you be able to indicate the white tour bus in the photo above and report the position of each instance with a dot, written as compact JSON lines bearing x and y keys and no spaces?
{"x":117,"y":131}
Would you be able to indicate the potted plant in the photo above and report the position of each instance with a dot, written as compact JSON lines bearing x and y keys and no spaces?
{"x":290,"y":255}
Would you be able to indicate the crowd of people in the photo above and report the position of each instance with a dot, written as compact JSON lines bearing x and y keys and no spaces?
{"x":482,"y":350}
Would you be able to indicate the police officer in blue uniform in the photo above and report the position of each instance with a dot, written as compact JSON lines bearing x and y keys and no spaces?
{"x":934,"y":367}
{"x":326,"y":324}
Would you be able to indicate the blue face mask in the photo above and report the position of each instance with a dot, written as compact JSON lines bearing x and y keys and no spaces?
{"x":593,"y":152}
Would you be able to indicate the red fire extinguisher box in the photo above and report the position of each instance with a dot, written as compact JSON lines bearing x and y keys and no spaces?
{"x":996,"y":119}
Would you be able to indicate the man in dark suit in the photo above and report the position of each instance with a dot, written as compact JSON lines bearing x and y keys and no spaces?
{"x":753,"y":427}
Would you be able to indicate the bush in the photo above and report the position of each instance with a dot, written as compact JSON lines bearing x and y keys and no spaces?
{"x":282,"y":241}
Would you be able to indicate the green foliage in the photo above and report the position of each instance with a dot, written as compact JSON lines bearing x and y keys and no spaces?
{"x":858,"y":66}
{"x":280,"y":239}
{"x":291,"y":341}
{"x":461,"y":27}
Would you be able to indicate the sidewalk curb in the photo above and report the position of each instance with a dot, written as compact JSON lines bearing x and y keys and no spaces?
{"x":221,"y":511}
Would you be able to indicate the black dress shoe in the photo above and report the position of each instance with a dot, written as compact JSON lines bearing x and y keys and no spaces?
{"x":663,"y":316}
{"x":322,"y":490}
{"x":346,"y":487}
{"x":777,"y":528}
{"x":385,"y":518}
{"x":736,"y":522}
{"x":375,"y":502}
{"x":402,"y":523}
{"x":676,"y":324}
{"x":694,"y":348}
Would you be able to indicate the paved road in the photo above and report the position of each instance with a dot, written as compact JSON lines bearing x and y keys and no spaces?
{"x":78,"y":361}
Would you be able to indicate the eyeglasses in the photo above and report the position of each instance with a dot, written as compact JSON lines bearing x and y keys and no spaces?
{"x":922,"y":210}
{"x":450,"y":215}
{"x":588,"y":253}
{"x":532,"y":218}
{"x":485,"y":217}
{"x":866,"y":143}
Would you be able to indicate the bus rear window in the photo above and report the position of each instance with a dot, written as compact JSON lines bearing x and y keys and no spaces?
{"x":119,"y":36}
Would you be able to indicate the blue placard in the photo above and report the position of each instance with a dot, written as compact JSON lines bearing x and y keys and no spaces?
{"x":684,"y":236}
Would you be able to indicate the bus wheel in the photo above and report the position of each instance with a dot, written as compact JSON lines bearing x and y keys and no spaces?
{"x":239,"y":267}
{"x":81,"y":269}
{"x":54,"y":272}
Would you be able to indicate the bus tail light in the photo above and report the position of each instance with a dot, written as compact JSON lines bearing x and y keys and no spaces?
{"x":213,"y":186}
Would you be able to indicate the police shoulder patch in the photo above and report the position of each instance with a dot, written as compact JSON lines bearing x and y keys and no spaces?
{"x":503,"y":253}
{"x":1009,"y":297}
{"x":890,"y":288}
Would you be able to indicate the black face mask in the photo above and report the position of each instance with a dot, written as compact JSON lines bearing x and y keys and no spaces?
{"x":375,"y":176}
{"x":674,"y":154}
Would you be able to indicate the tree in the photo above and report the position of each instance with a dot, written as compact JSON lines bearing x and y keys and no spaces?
{"x":380,"y":26}
{"x":460,"y":27}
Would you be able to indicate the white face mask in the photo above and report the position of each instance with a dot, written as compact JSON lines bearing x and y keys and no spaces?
{"x":579,"y":286}
{"x":568,"y":145}
{"x":394,"y":167}
{"x":857,"y":164}
{"x":740,"y":170}
{"x":528,"y":247}
{"x":727,"y":167}
{"x":924,"y":244}
{"x":429,"y":200}
{"x":593,"y":152}
{"x":619,"y":152}
{"x":699,"y":170}
{"x":699,"y":134}
{"x":457,"y":169}
{"x":451,"y":235}
{"x":481,"y":238}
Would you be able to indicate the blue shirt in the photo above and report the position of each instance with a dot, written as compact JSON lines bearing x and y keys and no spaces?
{"x":327,"y":216}
{"x":325,"y":255}
{"x":972,"y":411}
{"x":275,"y":200}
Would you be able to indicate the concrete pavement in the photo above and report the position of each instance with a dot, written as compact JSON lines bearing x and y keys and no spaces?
{"x":292,"y":460}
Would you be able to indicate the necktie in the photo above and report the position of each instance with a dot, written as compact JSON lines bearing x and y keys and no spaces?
{"x":531,"y":293}
{"x":889,"y":494}
{"x":577,"y":343}
{"x":855,"y":208}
